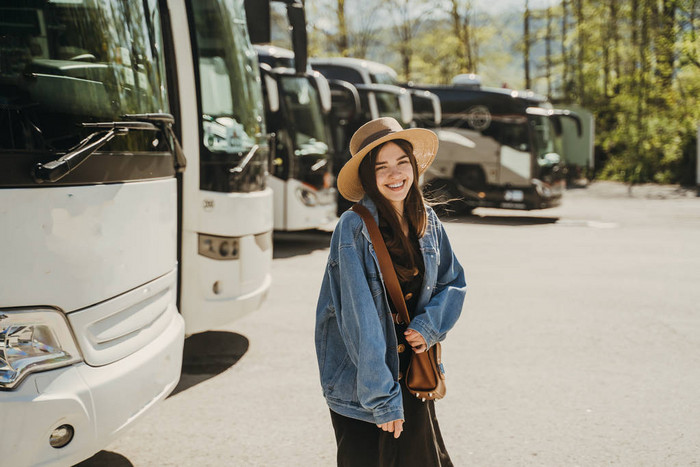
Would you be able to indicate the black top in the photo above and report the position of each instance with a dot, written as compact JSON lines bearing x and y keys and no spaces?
{"x":411,"y":291}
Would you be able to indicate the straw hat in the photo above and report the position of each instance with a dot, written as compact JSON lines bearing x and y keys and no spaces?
{"x":371,"y":135}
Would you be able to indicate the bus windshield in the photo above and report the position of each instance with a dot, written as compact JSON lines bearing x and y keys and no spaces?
{"x":63,"y":63}
{"x":231,"y":97}
{"x":306,"y":126}
{"x":303,"y":110}
{"x":234,"y":149}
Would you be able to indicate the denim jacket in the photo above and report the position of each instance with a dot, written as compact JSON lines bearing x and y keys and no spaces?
{"x":355,"y":337}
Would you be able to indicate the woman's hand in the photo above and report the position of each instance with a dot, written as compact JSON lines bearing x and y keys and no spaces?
{"x":395,"y":426}
{"x":416,"y":341}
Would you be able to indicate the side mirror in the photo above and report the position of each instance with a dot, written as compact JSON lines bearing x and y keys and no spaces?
{"x":426,"y":106}
{"x":297,"y":21}
{"x":270,"y":84}
{"x":387,"y":100}
{"x":257,"y":13}
{"x":324,"y":90}
{"x":574,"y":116}
{"x":405,"y":106}
{"x":345,"y":100}
{"x":557,"y":114}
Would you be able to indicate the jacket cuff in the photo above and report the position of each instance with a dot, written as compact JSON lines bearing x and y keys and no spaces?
{"x":385,"y":417}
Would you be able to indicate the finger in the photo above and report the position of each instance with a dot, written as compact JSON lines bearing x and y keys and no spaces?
{"x":398,"y":428}
{"x":414,"y":340}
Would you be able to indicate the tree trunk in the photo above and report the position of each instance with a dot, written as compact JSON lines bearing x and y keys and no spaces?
{"x":564,"y":49}
{"x":665,"y":55}
{"x":548,"y":51}
{"x":615,"y":36}
{"x":578,"y":4}
{"x":457,"y":28}
{"x":526,"y":43}
{"x":342,"y":42}
{"x":607,"y":39}
{"x":471,"y":68}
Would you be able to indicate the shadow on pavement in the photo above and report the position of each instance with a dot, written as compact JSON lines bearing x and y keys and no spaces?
{"x":289,"y":244}
{"x":106,"y":459}
{"x":515,"y":220}
{"x":205,"y":355}
{"x":208,"y":354}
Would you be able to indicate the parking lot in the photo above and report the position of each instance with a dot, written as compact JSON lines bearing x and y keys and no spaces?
{"x":579,"y":345}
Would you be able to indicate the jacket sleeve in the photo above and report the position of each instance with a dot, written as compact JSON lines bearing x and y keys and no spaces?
{"x":445,"y":305}
{"x":362,"y":331}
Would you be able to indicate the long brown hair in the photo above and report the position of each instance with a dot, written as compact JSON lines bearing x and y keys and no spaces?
{"x":398,"y":244}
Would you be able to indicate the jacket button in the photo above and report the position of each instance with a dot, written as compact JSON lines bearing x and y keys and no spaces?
{"x":408,"y":296}
{"x":400,"y":375}
{"x":401,"y":348}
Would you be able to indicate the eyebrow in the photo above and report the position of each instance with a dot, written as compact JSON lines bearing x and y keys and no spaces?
{"x":381,"y":164}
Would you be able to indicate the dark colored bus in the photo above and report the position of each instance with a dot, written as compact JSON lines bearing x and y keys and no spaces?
{"x":497,"y":148}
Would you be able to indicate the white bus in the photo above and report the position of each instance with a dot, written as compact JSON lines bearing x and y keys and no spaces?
{"x":98,"y":220}
{"x":297,"y":108}
{"x":228,"y":209}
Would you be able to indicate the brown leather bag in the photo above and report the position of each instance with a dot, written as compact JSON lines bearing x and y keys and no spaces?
{"x":425,"y":377}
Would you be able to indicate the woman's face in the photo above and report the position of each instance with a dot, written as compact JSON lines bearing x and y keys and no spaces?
{"x":394,"y":174}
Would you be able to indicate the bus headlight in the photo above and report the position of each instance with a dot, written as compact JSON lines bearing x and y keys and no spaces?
{"x":307,"y":196}
{"x":221,"y":248}
{"x":33,"y":340}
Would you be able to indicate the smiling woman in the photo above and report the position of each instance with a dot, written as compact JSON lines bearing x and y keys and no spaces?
{"x":362,"y":376}
{"x":394,"y":172}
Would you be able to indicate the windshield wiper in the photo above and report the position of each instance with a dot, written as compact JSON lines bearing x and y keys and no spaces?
{"x":321,"y":163}
{"x":240,"y":167}
{"x":166,"y":122}
{"x":56,"y":170}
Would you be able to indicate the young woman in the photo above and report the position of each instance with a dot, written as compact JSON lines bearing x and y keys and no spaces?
{"x":362,"y":353}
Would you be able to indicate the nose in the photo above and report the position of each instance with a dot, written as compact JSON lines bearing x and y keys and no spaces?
{"x":394,"y":171}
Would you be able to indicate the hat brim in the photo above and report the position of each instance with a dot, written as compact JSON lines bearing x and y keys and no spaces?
{"x":425,"y":146}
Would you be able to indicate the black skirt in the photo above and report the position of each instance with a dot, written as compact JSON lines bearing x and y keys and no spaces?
{"x":363,"y":444}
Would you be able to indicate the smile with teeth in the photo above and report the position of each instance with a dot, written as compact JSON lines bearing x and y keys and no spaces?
{"x":395,"y":186}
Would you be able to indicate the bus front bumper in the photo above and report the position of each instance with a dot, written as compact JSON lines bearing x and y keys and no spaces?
{"x":99,"y":403}
{"x":536,"y":196}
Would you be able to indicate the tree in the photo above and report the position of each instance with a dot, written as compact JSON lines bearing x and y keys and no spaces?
{"x":408,"y":15}
{"x":462,"y":30}
{"x":526,"y":45}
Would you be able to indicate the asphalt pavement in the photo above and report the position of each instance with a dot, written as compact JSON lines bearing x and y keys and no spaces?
{"x":579,"y":345}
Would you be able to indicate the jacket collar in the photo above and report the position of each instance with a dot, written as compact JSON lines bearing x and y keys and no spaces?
{"x":367,"y":202}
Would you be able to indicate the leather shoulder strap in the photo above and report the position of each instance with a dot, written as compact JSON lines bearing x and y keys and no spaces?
{"x":385,"y":264}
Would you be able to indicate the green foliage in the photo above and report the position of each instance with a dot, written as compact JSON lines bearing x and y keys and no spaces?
{"x":634,"y":63}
